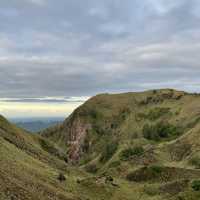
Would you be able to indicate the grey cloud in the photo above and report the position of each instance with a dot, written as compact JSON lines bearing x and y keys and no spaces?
{"x":46,"y":100}
{"x":80,"y":48}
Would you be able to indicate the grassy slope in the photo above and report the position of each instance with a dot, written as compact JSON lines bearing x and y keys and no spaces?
{"x":27,"y":171}
{"x":30,"y":167}
{"x":120,"y":118}
{"x":23,"y":176}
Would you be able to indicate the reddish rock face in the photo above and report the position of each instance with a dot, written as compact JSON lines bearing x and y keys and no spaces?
{"x":77,"y":134}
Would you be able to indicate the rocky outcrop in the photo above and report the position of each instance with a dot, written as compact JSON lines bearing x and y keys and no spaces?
{"x":77,"y":133}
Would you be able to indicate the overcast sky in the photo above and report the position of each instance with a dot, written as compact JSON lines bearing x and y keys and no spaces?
{"x":78,"y":48}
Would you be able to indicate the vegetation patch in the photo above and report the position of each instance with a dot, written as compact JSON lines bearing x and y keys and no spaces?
{"x":160,"y":130}
{"x":163,"y":174}
{"x":108,"y":151}
{"x":49,"y":147}
{"x":91,"y":168}
{"x":158,"y":112}
{"x":155,"y":113}
{"x":193,"y":123}
{"x":196,"y":185}
{"x":127,"y":154}
{"x":179,"y":150}
{"x":151,"y":190}
{"x":174,"y":187}
{"x":114,"y":164}
{"x":195,"y":161}
{"x":146,"y":173}
{"x":61,"y":177}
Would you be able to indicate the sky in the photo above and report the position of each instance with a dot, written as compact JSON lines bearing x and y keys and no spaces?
{"x":54,"y":55}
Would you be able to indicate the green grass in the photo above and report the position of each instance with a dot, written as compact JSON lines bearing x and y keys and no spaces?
{"x":196,"y":185}
{"x":108,"y":151}
{"x":130,"y":152}
{"x":150,"y":164}
{"x":161,"y":130}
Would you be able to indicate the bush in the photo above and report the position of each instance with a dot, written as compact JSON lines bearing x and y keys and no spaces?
{"x":196,"y":162}
{"x":146,"y":174}
{"x":156,"y":113}
{"x":86,"y":145}
{"x":91,"y":168}
{"x":61,"y":177}
{"x":108,"y":151}
{"x":109,"y":179}
{"x":196,"y":185}
{"x":155,"y":169}
{"x":160,"y":130}
{"x":150,"y":133}
{"x":114,"y":164}
{"x":128,"y":153}
{"x":50,"y":148}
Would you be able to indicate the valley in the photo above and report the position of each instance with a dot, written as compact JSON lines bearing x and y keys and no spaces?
{"x":130,"y":146}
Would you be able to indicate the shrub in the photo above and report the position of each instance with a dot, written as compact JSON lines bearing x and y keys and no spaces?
{"x":157,"y":113}
{"x":86,"y":145}
{"x":114,"y":164}
{"x":160,"y":130}
{"x":154,"y":91}
{"x":47,"y":146}
{"x":128,"y":153}
{"x":91,"y":168}
{"x":146,"y":173}
{"x":93,"y":114}
{"x":150,"y":133}
{"x":155,"y":169}
{"x":61,"y":177}
{"x":134,"y":135}
{"x":196,"y":185}
{"x":109,"y":179}
{"x":108,"y":151}
{"x":195,"y":161}
{"x":154,"y":114}
{"x":50,"y":148}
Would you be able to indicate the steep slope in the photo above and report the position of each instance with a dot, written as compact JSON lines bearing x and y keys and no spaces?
{"x":29,"y":171}
{"x":33,"y":145}
{"x":29,"y":166}
{"x":149,"y":138}
{"x":123,"y":117}
{"x":25,"y":177}
{"x":135,"y":146}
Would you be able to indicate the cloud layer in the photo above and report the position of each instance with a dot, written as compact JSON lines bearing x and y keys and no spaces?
{"x":80,"y":48}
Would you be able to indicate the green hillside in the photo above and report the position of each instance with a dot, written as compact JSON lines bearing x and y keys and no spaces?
{"x":129,"y":135}
{"x":158,"y":118}
{"x":132,"y":146}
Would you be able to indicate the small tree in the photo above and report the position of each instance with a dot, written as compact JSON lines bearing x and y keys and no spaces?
{"x":128,"y":153}
{"x":160,"y":130}
{"x":61,"y":177}
{"x":108,"y":151}
{"x":196,"y":185}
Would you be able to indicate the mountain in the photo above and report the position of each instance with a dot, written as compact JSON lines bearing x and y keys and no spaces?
{"x":123,"y":117}
{"x":128,"y":146}
{"x":36,"y":125}
{"x":146,"y":137}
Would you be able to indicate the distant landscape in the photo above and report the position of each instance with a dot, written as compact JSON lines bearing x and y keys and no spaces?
{"x":35,"y":125}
